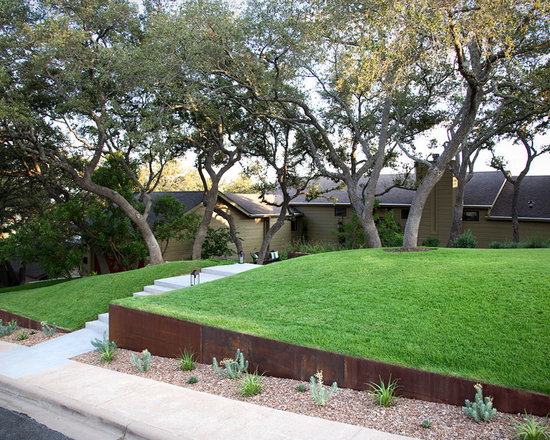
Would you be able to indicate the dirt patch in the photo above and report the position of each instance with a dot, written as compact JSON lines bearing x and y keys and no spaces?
{"x":347,"y":406}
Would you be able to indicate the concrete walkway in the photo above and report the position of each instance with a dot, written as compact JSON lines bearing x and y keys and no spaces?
{"x":132,"y":407}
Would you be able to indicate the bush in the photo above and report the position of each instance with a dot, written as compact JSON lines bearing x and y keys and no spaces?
{"x":431,"y":242}
{"x":465,"y":240}
{"x":313,"y":247}
{"x":536,"y":242}
{"x":216,"y":243}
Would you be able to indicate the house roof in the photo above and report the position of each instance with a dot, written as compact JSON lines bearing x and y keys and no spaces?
{"x":483,"y":188}
{"x":535,"y":189}
{"x":253,"y":206}
{"x":189,"y":198}
{"x":333,"y":194}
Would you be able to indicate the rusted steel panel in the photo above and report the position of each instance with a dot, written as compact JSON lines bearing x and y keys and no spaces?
{"x":166,"y":336}
{"x":161,"y":335}
{"x":271,"y":357}
{"x":23,"y":321}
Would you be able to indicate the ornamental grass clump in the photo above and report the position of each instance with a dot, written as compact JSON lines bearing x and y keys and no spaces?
{"x":384,"y":394}
{"x":318,"y":391}
{"x":234,"y":368}
{"x":48,"y":329}
{"x":250,"y":384}
{"x":531,"y":429}
{"x":144,"y":363}
{"x":186,"y":361}
{"x":481,"y":410}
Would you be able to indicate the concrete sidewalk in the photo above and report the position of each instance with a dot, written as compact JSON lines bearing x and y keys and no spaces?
{"x":142,"y":408}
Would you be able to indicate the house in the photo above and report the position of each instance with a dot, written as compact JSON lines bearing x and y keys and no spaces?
{"x":251,"y":216}
{"x":487,"y":212}
{"x":487,"y":208}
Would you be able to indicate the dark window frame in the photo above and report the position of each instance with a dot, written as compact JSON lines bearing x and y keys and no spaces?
{"x":340,"y":211}
{"x":470,"y":215}
{"x":405,"y":213}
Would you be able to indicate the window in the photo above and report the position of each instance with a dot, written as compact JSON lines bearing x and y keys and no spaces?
{"x":340,"y":211}
{"x":293,"y":224}
{"x":470,"y":216}
{"x":405,"y":213}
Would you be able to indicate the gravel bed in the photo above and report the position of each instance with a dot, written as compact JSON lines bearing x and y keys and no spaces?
{"x":346,"y":405}
{"x":33,"y":337}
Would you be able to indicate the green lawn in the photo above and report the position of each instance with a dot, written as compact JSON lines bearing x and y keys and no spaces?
{"x":30,"y":286}
{"x":72,"y":303}
{"x":475,"y":313}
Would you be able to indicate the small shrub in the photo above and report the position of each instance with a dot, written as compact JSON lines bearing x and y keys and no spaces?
{"x":233,"y":367}
{"x":301,"y":388}
{"x":465,"y":240}
{"x":105,"y":348}
{"x":384,"y":394}
{"x":536,"y":242}
{"x":531,"y":430}
{"x":9,"y":328}
{"x":318,"y":391}
{"x":192,"y":380}
{"x":144,"y":363}
{"x":48,"y":329}
{"x":482,"y":409}
{"x":426,"y":424}
{"x":22,"y":336}
{"x":186,"y":361}
{"x":250,"y":384}
{"x":33,"y":332}
{"x":431,"y":242}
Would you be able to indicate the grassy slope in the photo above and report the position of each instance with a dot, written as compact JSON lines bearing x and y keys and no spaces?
{"x":72,"y":303}
{"x":30,"y":286}
{"x":480,"y":314}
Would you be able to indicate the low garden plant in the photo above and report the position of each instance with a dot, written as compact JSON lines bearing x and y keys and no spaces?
{"x":48,"y":329}
{"x":8,"y":329}
{"x":144,"y":363}
{"x":23,"y":335}
{"x":481,"y":409}
{"x":105,"y":348}
{"x":192,"y":380}
{"x":186,"y":361}
{"x":321,"y":394}
{"x":385,"y":394}
{"x":301,"y":388}
{"x":530,"y":429}
{"x":233,"y":368}
{"x":465,"y":240}
{"x":250,"y":384}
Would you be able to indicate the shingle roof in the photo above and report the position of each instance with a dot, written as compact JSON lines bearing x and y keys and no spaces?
{"x":535,"y":189}
{"x":189,"y":198}
{"x":253,"y":205}
{"x":483,"y":188}
{"x":339,"y":196}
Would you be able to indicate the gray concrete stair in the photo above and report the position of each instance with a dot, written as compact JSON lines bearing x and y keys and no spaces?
{"x":154,"y":289}
{"x":104,"y":317}
{"x":225,"y":271}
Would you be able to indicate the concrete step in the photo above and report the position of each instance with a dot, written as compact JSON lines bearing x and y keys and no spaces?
{"x":154,"y":289}
{"x":104,"y":317}
{"x":141,"y":294}
{"x":98,"y":327}
{"x":184,"y":280}
{"x":225,"y":271}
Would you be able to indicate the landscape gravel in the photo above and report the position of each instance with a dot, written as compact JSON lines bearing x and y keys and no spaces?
{"x":347,"y":406}
{"x":33,"y":337}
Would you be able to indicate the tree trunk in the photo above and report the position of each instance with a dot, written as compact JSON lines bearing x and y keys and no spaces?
{"x":272,"y":231}
{"x":456,"y":225}
{"x":515,"y":211}
{"x":100,"y":255}
{"x":410,"y":235}
{"x":232,"y":229}
{"x":140,"y":221}
{"x":210,"y":200}
{"x":436,"y":170}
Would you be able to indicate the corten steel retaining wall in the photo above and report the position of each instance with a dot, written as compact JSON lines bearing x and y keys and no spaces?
{"x":23,"y":321}
{"x":165,"y":336}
